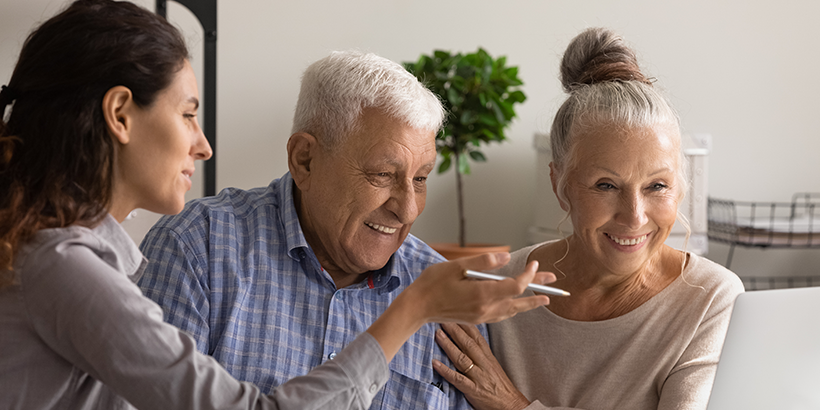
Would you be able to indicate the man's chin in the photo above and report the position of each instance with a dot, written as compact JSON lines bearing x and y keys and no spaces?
{"x":374,"y":261}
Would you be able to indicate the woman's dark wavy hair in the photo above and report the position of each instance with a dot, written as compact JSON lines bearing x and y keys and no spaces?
{"x":56,"y":155}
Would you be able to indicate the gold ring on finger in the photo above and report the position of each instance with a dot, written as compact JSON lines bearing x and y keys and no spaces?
{"x":469,"y":368}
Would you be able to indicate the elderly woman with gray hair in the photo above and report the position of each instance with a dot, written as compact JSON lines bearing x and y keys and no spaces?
{"x":644,"y":326}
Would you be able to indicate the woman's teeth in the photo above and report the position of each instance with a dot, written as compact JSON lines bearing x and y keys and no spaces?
{"x":380,"y":228}
{"x":628,"y":242}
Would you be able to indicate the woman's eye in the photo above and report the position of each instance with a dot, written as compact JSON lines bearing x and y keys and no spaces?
{"x":605,"y":186}
{"x":658,"y":187}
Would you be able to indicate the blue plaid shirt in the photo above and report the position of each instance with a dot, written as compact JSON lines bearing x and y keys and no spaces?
{"x":236,"y":273}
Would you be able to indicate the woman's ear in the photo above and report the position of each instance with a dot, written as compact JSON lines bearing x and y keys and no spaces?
{"x":116,"y":105}
{"x":302,"y":149}
{"x":554,"y":180}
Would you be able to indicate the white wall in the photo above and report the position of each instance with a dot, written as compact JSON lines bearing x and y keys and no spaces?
{"x":745,"y":72}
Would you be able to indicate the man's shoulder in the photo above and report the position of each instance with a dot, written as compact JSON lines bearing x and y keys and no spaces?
{"x":228,"y":205}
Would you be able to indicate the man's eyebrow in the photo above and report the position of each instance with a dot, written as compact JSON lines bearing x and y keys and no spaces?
{"x":398,"y":163}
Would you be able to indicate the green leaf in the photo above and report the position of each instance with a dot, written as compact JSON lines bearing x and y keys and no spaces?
{"x":488,"y":120}
{"x":507,"y":109}
{"x":482,"y":99}
{"x":458,"y":83}
{"x":468,"y":117}
{"x":445,"y":165}
{"x":491,"y":136}
{"x":501,"y":62}
{"x":517,"y":96}
{"x":499,"y":115}
{"x":441,"y":54}
{"x":463,"y":165}
{"x":511,"y":73}
{"x":454,"y":97}
{"x":478,"y":156}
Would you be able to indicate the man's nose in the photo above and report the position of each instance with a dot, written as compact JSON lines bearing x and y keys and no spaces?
{"x":404,"y":202}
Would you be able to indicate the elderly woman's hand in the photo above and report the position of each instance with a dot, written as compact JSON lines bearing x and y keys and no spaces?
{"x":478,"y":374}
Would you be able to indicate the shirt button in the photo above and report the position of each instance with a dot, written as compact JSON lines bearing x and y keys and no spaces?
{"x":331,"y":356}
{"x":373,"y":388}
{"x":340,"y":295}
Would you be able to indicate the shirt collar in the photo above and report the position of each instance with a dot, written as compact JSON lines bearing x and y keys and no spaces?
{"x":386,"y":279}
{"x":127,"y":256}
{"x":295,"y":241}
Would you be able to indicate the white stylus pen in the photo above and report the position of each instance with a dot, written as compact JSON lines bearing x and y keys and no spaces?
{"x":533,"y":287}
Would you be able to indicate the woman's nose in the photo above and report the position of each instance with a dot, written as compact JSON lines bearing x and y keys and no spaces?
{"x":633,"y":211}
{"x":201,"y":148}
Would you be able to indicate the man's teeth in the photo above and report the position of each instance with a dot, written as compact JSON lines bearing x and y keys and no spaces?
{"x":628,"y":242}
{"x":381,"y":228}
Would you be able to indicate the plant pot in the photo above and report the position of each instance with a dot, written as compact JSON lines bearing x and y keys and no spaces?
{"x":454,"y":251}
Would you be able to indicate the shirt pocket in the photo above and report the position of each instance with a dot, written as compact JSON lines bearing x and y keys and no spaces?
{"x":405,"y":393}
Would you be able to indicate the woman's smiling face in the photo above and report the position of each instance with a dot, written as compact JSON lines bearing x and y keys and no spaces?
{"x":623,"y":191}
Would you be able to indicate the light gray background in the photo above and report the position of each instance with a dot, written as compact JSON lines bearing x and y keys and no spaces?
{"x":744,"y":72}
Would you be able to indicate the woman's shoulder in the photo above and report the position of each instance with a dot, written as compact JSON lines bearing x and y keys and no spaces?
{"x":705,"y":280}
{"x":48,"y":243}
{"x":710,"y":274}
{"x":71,"y":247}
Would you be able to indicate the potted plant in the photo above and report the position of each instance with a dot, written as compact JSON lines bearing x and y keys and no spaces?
{"x":479,"y":93}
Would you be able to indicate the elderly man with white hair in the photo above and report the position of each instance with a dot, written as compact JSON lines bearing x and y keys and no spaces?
{"x":274,"y":281}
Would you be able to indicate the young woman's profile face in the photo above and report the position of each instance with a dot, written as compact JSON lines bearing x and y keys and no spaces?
{"x":156,"y":165}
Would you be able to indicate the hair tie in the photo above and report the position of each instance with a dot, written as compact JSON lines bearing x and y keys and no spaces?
{"x":7,"y":95}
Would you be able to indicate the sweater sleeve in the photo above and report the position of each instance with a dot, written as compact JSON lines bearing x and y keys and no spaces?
{"x":96,"y":318}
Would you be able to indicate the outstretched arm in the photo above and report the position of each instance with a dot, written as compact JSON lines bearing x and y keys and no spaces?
{"x":443,"y":294}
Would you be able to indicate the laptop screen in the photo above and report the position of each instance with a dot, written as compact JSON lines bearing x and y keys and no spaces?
{"x":771,"y":355}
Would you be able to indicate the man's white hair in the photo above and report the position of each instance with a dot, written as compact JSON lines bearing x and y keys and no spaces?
{"x":336,"y":89}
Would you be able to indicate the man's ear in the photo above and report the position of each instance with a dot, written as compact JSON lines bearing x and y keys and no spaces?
{"x":302,"y":149}
{"x":554,"y":180}
{"x":117,"y":104}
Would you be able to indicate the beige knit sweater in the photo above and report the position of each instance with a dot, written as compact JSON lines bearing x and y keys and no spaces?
{"x":662,"y":355}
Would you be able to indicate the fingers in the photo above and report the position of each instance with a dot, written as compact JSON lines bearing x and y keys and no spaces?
{"x":543,"y":278}
{"x":460,"y":360}
{"x":528,"y":276}
{"x":453,"y":377}
{"x":487,"y":261}
{"x":527,"y":303}
{"x":464,"y":364}
{"x":442,"y":293}
{"x":469,"y":340}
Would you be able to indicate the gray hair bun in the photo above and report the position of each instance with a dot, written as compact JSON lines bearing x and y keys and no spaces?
{"x":598,"y":55}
